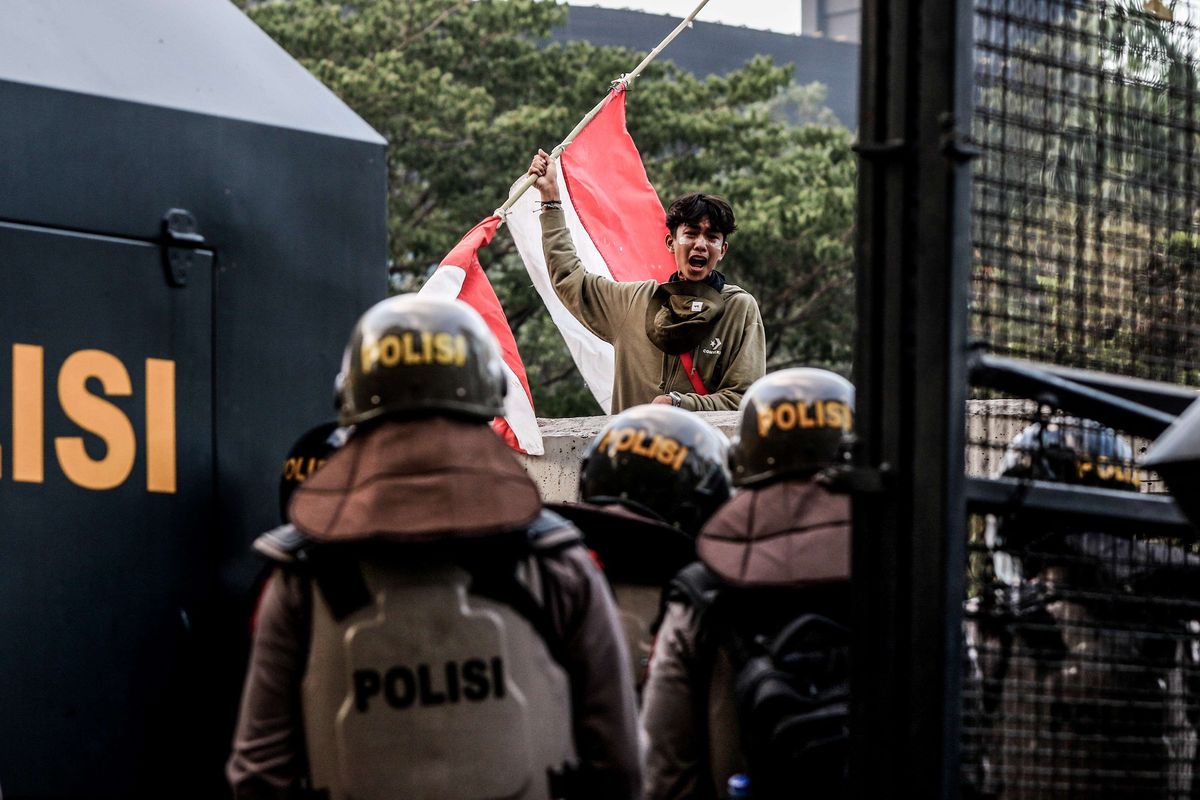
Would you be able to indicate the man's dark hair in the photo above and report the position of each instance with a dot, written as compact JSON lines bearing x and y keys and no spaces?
{"x":691,"y":208}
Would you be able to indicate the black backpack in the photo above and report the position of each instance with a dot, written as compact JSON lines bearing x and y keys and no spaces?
{"x":792,"y":679}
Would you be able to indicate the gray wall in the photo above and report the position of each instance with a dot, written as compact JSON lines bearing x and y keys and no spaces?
{"x":709,"y":49}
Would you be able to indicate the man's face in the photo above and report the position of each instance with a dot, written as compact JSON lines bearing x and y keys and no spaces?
{"x":697,"y":249}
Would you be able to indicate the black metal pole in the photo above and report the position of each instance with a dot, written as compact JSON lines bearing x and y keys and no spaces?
{"x":910,"y":369}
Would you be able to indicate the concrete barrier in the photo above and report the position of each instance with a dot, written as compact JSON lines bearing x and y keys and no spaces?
{"x":557,"y":472}
{"x":991,"y":425}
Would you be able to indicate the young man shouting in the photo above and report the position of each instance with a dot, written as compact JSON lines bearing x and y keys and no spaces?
{"x":695,"y":342}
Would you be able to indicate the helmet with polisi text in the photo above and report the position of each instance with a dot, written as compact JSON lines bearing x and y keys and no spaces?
{"x":411,"y":355}
{"x":794,"y":423}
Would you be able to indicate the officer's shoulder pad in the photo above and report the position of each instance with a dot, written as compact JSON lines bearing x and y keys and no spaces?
{"x":284,"y":544}
{"x":549,"y":531}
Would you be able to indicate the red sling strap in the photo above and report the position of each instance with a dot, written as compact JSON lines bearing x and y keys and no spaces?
{"x":690,"y":369}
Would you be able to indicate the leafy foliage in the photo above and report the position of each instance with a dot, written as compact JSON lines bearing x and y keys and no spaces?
{"x":1085,"y":200}
{"x":465,"y":91}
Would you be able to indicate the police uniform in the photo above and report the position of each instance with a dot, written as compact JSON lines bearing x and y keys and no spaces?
{"x":1079,"y":656}
{"x":790,"y":534}
{"x":649,"y":480}
{"x":431,"y":632}
{"x":780,"y":546}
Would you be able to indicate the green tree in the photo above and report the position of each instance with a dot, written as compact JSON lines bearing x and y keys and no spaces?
{"x":1085,"y":199}
{"x":465,"y":90}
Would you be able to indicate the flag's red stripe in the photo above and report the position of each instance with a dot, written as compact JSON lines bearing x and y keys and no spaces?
{"x":500,"y":426}
{"x":614,"y":199}
{"x":477,"y":292}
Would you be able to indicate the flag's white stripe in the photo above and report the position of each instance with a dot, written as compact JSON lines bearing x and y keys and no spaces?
{"x":447,"y":282}
{"x":592,"y":355}
{"x":520,"y":417}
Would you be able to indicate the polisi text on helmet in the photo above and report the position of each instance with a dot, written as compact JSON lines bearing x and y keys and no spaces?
{"x":662,"y":449}
{"x":414,"y":347}
{"x":473,"y":680}
{"x":300,"y":468}
{"x":1107,"y":471}
{"x":787,"y":415}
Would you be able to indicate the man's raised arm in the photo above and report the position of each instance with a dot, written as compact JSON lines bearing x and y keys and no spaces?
{"x":599,"y":303}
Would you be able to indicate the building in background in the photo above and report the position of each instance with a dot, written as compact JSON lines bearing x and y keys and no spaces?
{"x":840,"y":20}
{"x":819,"y":54}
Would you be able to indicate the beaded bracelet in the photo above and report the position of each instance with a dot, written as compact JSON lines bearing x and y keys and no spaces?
{"x":545,"y":204}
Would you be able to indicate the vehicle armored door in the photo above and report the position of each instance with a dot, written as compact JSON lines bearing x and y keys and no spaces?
{"x":106,"y":486}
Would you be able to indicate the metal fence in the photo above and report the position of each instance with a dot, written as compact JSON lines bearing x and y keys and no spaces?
{"x":1086,"y":195}
{"x":1081,"y":632}
{"x":1029,"y":308}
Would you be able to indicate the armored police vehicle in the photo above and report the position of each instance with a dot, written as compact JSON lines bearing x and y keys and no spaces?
{"x":189,"y":226}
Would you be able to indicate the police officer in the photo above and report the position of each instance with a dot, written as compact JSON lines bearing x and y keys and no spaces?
{"x":1078,"y":651}
{"x":306,"y":455}
{"x":649,"y":480}
{"x":776,"y":556}
{"x":434,"y":633}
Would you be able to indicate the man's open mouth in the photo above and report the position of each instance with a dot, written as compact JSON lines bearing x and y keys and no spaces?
{"x":698,"y":261}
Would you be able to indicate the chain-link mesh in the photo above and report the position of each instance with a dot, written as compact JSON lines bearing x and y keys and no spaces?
{"x":1085,"y":221}
{"x":1082,"y":644}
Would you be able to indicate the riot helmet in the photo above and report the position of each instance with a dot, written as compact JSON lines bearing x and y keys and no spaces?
{"x":661,"y":462}
{"x":1071,"y":450}
{"x":1061,"y":450}
{"x":794,"y":423}
{"x":306,"y":456}
{"x":417,"y":355}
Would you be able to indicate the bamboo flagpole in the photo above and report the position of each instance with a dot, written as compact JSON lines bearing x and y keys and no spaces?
{"x":624,"y":82}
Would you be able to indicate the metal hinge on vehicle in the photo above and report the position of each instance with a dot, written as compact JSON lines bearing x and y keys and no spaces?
{"x":181,"y":237}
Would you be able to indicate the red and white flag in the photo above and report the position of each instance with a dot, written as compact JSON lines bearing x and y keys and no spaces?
{"x":460,"y":277}
{"x":616,"y":221}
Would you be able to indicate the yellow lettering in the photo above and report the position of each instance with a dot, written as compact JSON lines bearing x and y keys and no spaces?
{"x":97,"y":416}
{"x":804,"y":419}
{"x":820,"y":409}
{"x":837,"y":414}
{"x":765,"y":418}
{"x":427,"y":346}
{"x":368,"y":355}
{"x":389,"y":351}
{"x":679,"y":459}
{"x":785,"y":416}
{"x":160,"y":425}
{"x":604,"y":441}
{"x":443,"y":345}
{"x":625,"y":439}
{"x":666,"y":453}
{"x":644,"y":448}
{"x":28,"y":442}
{"x":411,"y":356}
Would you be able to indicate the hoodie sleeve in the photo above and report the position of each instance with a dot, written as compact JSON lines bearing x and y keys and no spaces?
{"x":600,"y":303}
{"x":746,"y":364}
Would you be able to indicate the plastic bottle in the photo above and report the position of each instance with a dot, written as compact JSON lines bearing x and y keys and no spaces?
{"x":738,"y":786}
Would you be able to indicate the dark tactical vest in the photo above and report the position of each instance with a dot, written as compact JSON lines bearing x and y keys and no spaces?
{"x":777,"y":655}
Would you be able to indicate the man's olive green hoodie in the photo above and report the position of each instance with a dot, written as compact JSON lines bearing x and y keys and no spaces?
{"x":730,"y":358}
